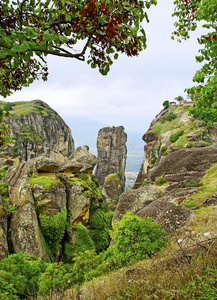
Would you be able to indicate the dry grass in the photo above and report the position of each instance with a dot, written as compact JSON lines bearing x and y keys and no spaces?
{"x":162,"y":277}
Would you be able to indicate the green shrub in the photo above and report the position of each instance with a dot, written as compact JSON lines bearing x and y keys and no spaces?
{"x":100,"y":225}
{"x":4,"y":191}
{"x":20,"y":272}
{"x":202,"y":286}
{"x":85,"y":266}
{"x":7,"y":290}
{"x":134,"y":239}
{"x":168,"y":118}
{"x":166,"y":104}
{"x":160,"y":181}
{"x":82,"y":176}
{"x":175,"y":136}
{"x":55,"y":279}
{"x":53,"y":229}
{"x":164,"y":150}
{"x":193,"y":183}
{"x":154,"y":157}
{"x":3,"y":173}
{"x":144,"y":183}
{"x":8,"y":106}
{"x":83,"y":242}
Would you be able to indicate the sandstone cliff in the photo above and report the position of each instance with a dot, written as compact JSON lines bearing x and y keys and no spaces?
{"x":36,"y":129}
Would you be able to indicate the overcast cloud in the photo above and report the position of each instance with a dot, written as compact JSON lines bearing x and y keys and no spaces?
{"x":134,"y":90}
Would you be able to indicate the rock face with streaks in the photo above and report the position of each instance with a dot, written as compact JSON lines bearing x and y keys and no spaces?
{"x":36,"y":130}
{"x":111,"y":153}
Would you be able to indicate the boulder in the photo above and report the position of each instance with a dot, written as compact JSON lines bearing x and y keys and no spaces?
{"x":135,"y":200}
{"x":25,"y":232}
{"x":170,"y":216}
{"x":81,"y":161}
{"x":112,"y":188}
{"x":78,"y":206}
{"x":49,"y":201}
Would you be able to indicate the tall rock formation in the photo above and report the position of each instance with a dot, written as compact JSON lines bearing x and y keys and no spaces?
{"x":36,"y":129}
{"x":111,"y":153}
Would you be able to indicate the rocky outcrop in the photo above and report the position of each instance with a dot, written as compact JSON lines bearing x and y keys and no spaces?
{"x":42,"y":195}
{"x":111,"y":153}
{"x":183,"y":165}
{"x":182,"y":158}
{"x":36,"y":130}
{"x":81,"y":161}
{"x":178,"y":152}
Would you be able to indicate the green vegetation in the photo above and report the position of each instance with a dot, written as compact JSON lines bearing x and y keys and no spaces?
{"x":25,"y":275}
{"x":46,"y":182}
{"x":189,"y":15}
{"x":83,"y":242}
{"x":19,"y":275}
{"x":100,"y":225}
{"x":116,"y":176}
{"x":53,"y":229}
{"x":175,"y":136}
{"x":164,"y":150}
{"x":160,"y":181}
{"x":20,"y":108}
{"x":169,"y":117}
{"x":135,"y":239}
{"x":166,"y":104}
{"x":173,"y":121}
{"x":193,"y":183}
{"x":8,"y":106}
{"x":144,"y":183}
{"x":207,"y":189}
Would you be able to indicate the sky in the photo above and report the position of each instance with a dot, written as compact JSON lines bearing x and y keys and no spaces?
{"x":132,"y":93}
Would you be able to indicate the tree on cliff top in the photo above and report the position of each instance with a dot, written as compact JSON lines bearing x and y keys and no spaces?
{"x":190,"y":14}
{"x":32,"y":29}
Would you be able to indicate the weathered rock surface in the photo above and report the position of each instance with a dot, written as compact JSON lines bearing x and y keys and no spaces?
{"x":185,"y":164}
{"x":19,"y":188}
{"x":135,"y":200}
{"x":37,"y":191}
{"x":81,"y":161}
{"x":112,"y":188}
{"x":170,"y":216}
{"x":36,"y":130}
{"x":3,"y":230}
{"x":78,"y":205}
{"x":112,"y":153}
{"x":25,"y":233}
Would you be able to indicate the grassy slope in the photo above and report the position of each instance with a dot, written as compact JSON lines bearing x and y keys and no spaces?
{"x":179,"y":124}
